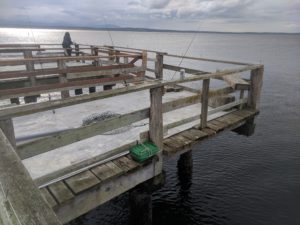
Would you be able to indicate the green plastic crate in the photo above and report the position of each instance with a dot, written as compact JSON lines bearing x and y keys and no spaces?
{"x":144,"y":151}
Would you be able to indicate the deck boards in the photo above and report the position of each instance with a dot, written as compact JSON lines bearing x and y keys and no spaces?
{"x":76,"y":187}
{"x":82,"y":181}
{"x":178,"y":143}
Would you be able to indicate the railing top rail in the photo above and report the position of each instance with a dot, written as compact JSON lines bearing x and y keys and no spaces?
{"x":63,"y":58}
{"x":39,"y":107}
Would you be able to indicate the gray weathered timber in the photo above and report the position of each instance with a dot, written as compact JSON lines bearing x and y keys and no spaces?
{"x":21,"y":196}
{"x":156,"y":123}
{"x":84,"y":165}
{"x":23,"y":110}
{"x":7,"y":127}
{"x":43,"y":106}
{"x":187,"y":70}
{"x":74,"y":135}
{"x":59,"y":139}
{"x":255,"y":88}
{"x":159,"y":66}
{"x":109,"y":72}
{"x":236,"y":82}
{"x":63,"y":78}
{"x":204,"y":102}
{"x":102,"y":193}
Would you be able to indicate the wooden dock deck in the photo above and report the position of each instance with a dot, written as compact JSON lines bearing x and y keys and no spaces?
{"x":105,"y":72}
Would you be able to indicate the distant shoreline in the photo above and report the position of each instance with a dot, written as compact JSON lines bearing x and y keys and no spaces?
{"x":132,"y":29}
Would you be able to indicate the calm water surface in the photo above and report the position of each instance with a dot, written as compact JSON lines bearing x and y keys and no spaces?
{"x":236,"y":179}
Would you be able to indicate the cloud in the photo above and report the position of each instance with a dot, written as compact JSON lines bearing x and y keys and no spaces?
{"x":225,"y":15}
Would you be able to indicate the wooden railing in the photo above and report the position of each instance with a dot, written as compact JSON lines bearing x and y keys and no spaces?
{"x":154,"y":112}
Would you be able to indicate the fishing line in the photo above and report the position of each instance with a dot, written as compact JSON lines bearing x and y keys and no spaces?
{"x":34,"y":40}
{"x":188,"y":48}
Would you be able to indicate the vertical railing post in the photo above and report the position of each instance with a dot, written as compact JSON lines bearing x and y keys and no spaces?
{"x":94,"y":52}
{"x":117,"y":56}
{"x":111,"y":59}
{"x":63,"y":78}
{"x":30,"y":68}
{"x":256,"y":81}
{"x":77,"y":51}
{"x":204,"y":103}
{"x":156,"y":123}
{"x":159,"y":66}
{"x":144,"y":63}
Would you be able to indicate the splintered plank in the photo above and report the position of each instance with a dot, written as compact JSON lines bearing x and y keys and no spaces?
{"x":198,"y":134}
{"x":216,"y":125}
{"x":236,"y":82}
{"x":230,"y":119}
{"x":82,"y":181}
{"x":245,"y":113}
{"x":60,"y":191}
{"x":174,"y":144}
{"x":125,"y":163}
{"x":107,"y":171}
{"x":182,"y":139}
{"x":208,"y":131}
{"x":48,"y":197}
{"x":168,"y":150}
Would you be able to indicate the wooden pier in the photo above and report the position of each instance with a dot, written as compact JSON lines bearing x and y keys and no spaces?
{"x":30,"y":73}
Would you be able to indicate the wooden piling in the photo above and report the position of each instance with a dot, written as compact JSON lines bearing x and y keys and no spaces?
{"x":156,"y":122}
{"x":159,"y":66}
{"x":256,"y":81}
{"x":140,"y":201}
{"x":204,"y":103}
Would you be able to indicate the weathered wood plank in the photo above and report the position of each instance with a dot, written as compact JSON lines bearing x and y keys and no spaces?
{"x":13,"y":62}
{"x":48,"y":197}
{"x":159,"y":66}
{"x":34,"y":108}
{"x":77,"y":134}
{"x":7,"y":127}
{"x":126,"y":164}
{"x":187,"y":70}
{"x":121,"y":71}
{"x":204,"y":103}
{"x":236,"y":82}
{"x":82,"y":166}
{"x":216,"y":125}
{"x":82,"y":181}
{"x":93,"y":197}
{"x":18,"y":192}
{"x":208,"y":131}
{"x":61,"y":192}
{"x":64,"y":86}
{"x":107,"y":171}
{"x":255,"y":88}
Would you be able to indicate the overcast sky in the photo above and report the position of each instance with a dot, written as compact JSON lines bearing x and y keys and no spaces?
{"x":208,"y":15}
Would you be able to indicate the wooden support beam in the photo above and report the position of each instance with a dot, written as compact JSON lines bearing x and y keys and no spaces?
{"x":159,"y":66}
{"x":10,"y":93}
{"x":187,"y":70}
{"x":156,"y":123}
{"x":255,"y":88}
{"x":20,"y":200}
{"x":7,"y":127}
{"x":236,"y":82}
{"x":63,"y":78}
{"x":204,"y":103}
{"x":30,"y":68}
